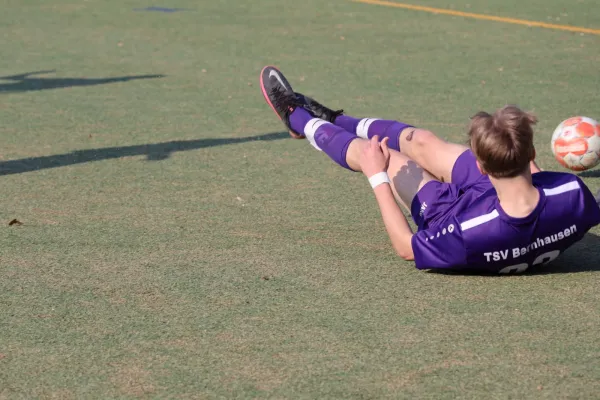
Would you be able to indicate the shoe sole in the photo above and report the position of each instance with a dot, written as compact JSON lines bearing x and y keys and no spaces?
{"x":294,"y":135}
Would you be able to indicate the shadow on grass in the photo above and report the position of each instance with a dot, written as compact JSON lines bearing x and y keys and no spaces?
{"x":26,"y":83}
{"x":153,"y":152}
{"x":583,"y":256}
{"x":591,"y":173}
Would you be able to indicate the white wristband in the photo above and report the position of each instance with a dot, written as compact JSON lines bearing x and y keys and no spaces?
{"x":378,"y":179}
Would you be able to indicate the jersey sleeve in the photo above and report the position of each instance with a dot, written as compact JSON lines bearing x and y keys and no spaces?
{"x":590,"y":205}
{"x":439,"y":248}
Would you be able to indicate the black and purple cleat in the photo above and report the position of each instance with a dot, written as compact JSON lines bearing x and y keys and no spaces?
{"x":279,"y":95}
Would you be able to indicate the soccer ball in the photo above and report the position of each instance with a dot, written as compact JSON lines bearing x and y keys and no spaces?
{"x":576,"y":143}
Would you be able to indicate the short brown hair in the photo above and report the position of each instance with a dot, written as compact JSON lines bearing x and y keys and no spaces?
{"x":503,"y":141}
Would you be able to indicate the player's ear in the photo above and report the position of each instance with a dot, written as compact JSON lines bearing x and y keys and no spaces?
{"x":481,"y":171}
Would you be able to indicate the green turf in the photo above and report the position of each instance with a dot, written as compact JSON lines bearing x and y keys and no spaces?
{"x":175,"y":243}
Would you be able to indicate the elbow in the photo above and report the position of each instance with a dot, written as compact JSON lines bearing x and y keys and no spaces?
{"x":406,"y":254}
{"x":403,"y":248}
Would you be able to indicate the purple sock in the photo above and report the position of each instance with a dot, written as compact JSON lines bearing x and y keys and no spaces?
{"x":369,"y":127}
{"x":348,"y":123}
{"x":299,"y":118}
{"x":329,"y":138}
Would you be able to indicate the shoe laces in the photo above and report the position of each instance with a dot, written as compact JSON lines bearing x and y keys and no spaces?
{"x":283,"y":99}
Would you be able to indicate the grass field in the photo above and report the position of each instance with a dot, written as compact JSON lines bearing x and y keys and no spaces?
{"x":176,"y":244}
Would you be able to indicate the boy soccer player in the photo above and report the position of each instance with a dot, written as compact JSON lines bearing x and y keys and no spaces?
{"x":488,"y":208}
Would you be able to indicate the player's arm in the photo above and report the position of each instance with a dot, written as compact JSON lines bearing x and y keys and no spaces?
{"x":395,"y":222}
{"x":374,"y":163}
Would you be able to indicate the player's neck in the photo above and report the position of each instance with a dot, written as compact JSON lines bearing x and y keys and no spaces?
{"x":518,"y":197}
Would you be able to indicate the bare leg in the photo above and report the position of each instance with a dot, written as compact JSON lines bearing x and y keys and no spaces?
{"x":429,"y":151}
{"x":426,"y":149}
{"x":434,"y":154}
{"x":406,"y":175}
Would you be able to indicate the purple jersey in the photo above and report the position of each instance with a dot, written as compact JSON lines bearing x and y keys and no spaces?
{"x":463,"y":226}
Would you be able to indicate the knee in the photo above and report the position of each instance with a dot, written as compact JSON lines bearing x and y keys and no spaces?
{"x":421,"y":139}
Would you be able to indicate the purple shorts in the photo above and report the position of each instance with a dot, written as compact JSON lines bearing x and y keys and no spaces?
{"x":436,"y":200}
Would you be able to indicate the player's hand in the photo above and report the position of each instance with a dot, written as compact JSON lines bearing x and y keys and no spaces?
{"x":375,"y":157}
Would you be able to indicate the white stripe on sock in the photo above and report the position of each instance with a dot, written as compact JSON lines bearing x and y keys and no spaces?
{"x":362,"y":129}
{"x":311,"y":128}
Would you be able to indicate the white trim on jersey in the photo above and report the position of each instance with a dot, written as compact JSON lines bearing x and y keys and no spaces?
{"x":482,"y":219}
{"x":567,"y":187}
{"x":311,"y":128}
{"x":362,"y":130}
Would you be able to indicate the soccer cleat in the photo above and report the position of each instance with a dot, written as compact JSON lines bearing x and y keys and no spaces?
{"x":317,"y":109}
{"x":279,"y":95}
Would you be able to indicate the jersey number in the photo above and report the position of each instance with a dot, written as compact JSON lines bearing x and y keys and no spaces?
{"x":542,"y":259}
